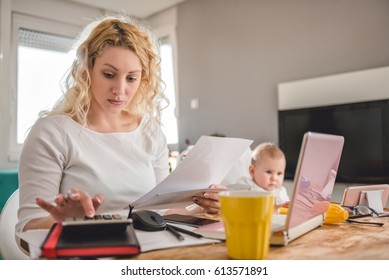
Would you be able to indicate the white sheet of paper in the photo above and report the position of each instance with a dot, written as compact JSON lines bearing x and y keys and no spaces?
{"x":207,"y":163}
{"x":156,"y":240}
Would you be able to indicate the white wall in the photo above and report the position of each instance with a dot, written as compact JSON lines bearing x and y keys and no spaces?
{"x":234,"y":54}
{"x":359,"y":86}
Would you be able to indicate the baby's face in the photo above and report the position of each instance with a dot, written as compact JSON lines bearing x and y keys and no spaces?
{"x":268,"y":172}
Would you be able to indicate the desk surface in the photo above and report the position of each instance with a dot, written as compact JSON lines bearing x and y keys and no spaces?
{"x":333,"y":242}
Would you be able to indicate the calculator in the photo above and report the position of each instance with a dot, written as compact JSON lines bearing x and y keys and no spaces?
{"x":97,"y":223}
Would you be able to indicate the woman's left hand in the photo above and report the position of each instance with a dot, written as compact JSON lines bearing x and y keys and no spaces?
{"x":210,"y":200}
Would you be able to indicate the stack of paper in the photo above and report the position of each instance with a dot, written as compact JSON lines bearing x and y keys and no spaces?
{"x":207,"y":163}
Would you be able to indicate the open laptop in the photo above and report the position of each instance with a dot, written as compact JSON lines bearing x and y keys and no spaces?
{"x":312,"y":187}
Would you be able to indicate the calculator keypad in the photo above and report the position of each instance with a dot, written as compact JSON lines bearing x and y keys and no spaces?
{"x":95,"y":220}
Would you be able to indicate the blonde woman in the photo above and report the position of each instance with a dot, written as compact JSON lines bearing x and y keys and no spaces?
{"x":101,"y":146}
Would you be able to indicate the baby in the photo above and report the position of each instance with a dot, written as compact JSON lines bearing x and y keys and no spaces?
{"x":267,"y":170}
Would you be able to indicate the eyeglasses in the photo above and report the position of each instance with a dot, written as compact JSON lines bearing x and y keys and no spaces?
{"x":360,"y":211}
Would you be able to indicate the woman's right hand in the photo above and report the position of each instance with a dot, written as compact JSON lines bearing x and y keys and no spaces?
{"x":75,"y":203}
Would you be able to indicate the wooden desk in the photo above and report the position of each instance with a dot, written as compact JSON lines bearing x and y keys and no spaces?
{"x":333,"y":242}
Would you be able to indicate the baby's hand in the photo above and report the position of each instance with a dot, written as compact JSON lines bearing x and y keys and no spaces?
{"x":285,"y":204}
{"x":282,"y":208}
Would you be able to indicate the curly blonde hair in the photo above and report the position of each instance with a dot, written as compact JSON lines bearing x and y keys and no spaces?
{"x":121,"y":31}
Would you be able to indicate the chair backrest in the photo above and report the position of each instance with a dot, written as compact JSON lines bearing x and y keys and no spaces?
{"x":9,"y":249}
{"x":9,"y":182}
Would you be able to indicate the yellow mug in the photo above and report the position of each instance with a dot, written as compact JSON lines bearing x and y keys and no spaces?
{"x":247,"y":216}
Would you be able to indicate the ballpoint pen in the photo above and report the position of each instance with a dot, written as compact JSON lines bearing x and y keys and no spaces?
{"x":191,"y":233}
{"x":175,"y":232}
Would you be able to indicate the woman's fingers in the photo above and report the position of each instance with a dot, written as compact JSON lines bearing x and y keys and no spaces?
{"x":97,"y":201}
{"x":210,"y":205}
{"x":75,"y":203}
{"x":218,"y":186}
{"x":60,"y":199}
{"x":44,"y":205}
{"x":53,"y":210}
{"x":210,"y":200}
{"x":211,"y":195}
{"x":84,"y":199}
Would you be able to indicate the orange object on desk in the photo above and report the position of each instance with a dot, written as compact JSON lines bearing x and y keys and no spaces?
{"x":283,"y":210}
{"x":335,"y":214}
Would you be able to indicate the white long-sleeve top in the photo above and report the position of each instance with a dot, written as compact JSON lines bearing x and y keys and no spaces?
{"x":60,"y":154}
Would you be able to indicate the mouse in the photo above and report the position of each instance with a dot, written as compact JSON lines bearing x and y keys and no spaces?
{"x":148,"y":220}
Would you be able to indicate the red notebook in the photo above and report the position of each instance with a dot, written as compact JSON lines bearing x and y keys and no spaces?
{"x":87,"y":241}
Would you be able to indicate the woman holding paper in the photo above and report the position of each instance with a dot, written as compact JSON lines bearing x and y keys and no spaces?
{"x":101,"y":146}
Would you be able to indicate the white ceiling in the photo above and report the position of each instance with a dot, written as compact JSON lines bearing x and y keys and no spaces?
{"x":137,"y":8}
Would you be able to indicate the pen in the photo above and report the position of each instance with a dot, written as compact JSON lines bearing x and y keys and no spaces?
{"x":191,"y":233}
{"x":175,"y":232}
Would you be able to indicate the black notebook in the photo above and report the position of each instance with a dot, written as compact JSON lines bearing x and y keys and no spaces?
{"x":90,"y":241}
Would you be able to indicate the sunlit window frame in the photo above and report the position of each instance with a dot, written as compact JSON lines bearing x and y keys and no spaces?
{"x":170,"y":33}
{"x":37,"y":24}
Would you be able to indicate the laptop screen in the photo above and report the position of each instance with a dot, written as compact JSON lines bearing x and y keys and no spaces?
{"x":315,"y":176}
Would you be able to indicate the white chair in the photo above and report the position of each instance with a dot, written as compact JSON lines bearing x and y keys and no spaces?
{"x":9,"y":249}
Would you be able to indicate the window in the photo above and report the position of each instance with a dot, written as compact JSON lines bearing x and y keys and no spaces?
{"x":41,"y":55}
{"x":169,"y":119}
{"x":42,"y":60}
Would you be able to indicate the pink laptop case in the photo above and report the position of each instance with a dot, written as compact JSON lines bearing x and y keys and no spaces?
{"x":315,"y":176}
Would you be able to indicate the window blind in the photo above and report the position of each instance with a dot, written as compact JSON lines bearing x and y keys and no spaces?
{"x":42,"y":40}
